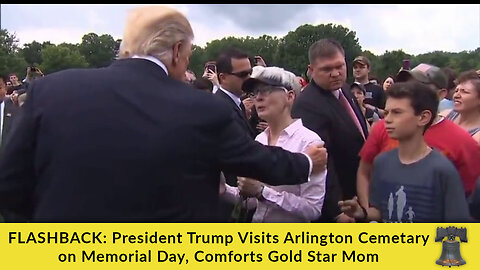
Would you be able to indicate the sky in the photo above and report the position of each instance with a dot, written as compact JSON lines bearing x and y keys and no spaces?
{"x":415,"y":29}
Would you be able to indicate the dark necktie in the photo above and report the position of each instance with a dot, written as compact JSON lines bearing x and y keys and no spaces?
{"x":244,"y":111}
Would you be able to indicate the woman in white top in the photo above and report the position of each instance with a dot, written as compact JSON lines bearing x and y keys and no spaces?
{"x":274,"y":90}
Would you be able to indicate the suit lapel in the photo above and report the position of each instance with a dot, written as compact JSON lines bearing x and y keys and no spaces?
{"x":343,"y":117}
{"x":361,"y":118}
{"x":239,"y":112}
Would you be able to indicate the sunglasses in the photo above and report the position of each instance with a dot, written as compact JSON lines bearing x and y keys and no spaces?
{"x":241,"y":74}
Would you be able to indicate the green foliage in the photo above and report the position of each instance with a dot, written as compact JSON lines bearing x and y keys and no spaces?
{"x":289,"y":52}
{"x":63,"y":56}
{"x":99,"y":51}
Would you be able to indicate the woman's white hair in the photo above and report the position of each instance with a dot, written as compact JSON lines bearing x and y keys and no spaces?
{"x":278,"y":74}
{"x":153,"y":30}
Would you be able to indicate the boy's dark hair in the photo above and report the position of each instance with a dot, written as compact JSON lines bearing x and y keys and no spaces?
{"x":422,"y":98}
{"x":326,"y":47}
{"x":203,"y":84}
{"x":224,"y":61}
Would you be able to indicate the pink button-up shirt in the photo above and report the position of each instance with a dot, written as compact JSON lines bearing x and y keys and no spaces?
{"x":288,"y":203}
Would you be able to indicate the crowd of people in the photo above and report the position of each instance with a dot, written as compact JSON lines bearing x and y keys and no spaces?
{"x":148,"y":140}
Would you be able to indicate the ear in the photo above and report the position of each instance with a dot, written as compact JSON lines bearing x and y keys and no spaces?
{"x":221,"y":77}
{"x":291,"y":95}
{"x":177,"y":48}
{"x":310,"y":69}
{"x":424,"y":118}
{"x":442,"y":94}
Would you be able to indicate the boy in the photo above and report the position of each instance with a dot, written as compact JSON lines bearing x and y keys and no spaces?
{"x":412,"y":183}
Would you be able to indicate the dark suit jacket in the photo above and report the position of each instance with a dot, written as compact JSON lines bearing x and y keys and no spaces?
{"x":240,"y":116}
{"x":226,"y":208}
{"x":9,"y":114}
{"x":322,"y":112}
{"x":127,"y":143}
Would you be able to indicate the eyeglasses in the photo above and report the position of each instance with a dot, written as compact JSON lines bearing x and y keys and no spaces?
{"x":241,"y":74}
{"x":267,"y":90}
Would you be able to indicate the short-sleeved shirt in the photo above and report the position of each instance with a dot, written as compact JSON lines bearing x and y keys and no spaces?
{"x":374,"y":95}
{"x":445,"y":136}
{"x":428,"y":190}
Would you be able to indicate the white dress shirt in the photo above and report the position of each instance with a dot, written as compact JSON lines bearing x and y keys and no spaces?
{"x":152,"y":59}
{"x":232,"y":96}
{"x":336,"y":93}
{"x":288,"y":203}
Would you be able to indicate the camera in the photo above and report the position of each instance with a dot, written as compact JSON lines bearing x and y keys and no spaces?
{"x":33,"y":69}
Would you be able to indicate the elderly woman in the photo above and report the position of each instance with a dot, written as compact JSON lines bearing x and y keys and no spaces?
{"x":466,"y":110}
{"x":274,"y":91}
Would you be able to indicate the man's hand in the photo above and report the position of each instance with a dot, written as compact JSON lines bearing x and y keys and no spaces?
{"x":342,"y":218}
{"x":352,"y":208}
{"x":259,"y":61}
{"x":211,"y":76}
{"x":249,"y":187}
{"x":319,"y":157}
{"x":39,"y":72}
{"x":248,"y":103}
{"x":14,"y":97}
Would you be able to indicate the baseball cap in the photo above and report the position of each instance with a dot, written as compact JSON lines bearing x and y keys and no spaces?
{"x":362,"y":60}
{"x":425,"y":73}
{"x":360,"y":86}
{"x":273,"y":76}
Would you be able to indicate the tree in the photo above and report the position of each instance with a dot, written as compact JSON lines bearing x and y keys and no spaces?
{"x":63,"y":56}
{"x":390,"y":63}
{"x":436,"y":58}
{"x":374,"y":64}
{"x":99,"y":51}
{"x":32,"y":53}
{"x":197,"y":60}
{"x":10,"y":60}
{"x":292,"y":53}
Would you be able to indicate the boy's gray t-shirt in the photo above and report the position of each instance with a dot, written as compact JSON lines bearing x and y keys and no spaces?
{"x":429,"y":190}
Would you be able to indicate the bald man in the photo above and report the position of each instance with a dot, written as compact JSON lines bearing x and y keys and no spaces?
{"x":132,"y":142}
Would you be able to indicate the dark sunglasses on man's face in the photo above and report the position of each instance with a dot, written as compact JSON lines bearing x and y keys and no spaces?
{"x":242,"y":74}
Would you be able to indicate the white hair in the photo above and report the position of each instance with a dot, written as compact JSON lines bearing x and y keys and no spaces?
{"x":278,"y":74}
{"x":153,"y":31}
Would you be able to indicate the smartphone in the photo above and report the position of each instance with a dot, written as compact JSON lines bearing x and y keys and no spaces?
{"x":211,"y":67}
{"x":406,"y":64}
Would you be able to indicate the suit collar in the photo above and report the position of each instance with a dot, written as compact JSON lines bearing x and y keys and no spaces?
{"x":350,"y":100}
{"x":154,"y":60}
{"x":232,"y":96}
{"x":140,"y":65}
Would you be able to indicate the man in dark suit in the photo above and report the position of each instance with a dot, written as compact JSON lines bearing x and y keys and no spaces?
{"x":8,"y":111}
{"x":333,"y":113}
{"x":233,"y":68}
{"x":132,"y":142}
